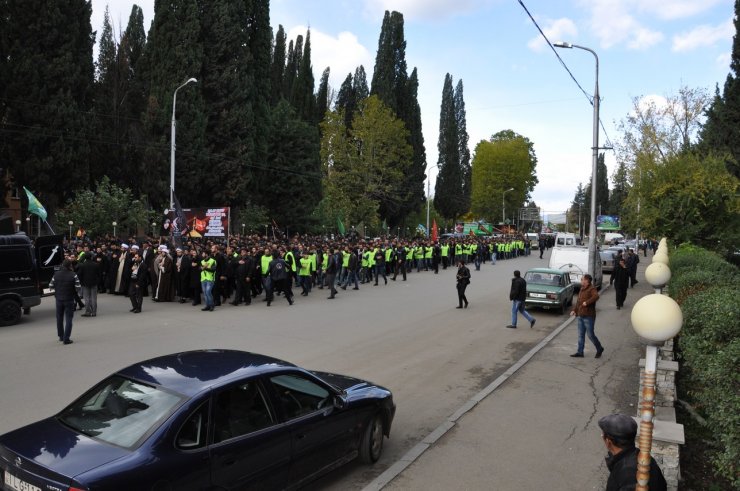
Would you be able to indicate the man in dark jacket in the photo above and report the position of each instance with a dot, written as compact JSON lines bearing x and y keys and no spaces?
{"x":331,"y":273}
{"x":65,"y":285}
{"x":632,"y":261}
{"x":244,"y":273}
{"x":89,"y":274}
{"x":281,"y":280}
{"x":518,"y":295}
{"x":139,"y":278}
{"x":621,"y":277}
{"x":618,"y":432}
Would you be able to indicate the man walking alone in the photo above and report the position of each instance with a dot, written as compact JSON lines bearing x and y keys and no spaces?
{"x":585,"y":309}
{"x":65,"y":284}
{"x":518,"y":295}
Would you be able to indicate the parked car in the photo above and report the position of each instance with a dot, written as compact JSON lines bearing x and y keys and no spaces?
{"x":210,"y":419}
{"x":26,"y":268}
{"x":575,"y":261}
{"x":607,"y":258}
{"x":549,"y":288}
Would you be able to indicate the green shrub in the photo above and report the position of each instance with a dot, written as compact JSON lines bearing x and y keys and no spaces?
{"x":691,"y":258}
{"x":691,"y":282}
{"x":710,"y":350}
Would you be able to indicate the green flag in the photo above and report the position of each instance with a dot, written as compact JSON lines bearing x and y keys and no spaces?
{"x":340,"y":226}
{"x":34,"y":205}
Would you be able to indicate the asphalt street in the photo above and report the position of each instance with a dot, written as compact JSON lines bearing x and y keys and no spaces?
{"x":406,"y":336}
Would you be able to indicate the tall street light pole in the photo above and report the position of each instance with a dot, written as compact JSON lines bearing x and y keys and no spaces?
{"x":172,"y":144}
{"x":503,"y":205}
{"x":594,"y":159}
{"x":428,"y":196}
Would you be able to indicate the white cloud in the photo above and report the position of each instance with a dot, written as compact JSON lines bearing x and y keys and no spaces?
{"x":704,"y":35}
{"x":724,"y":60}
{"x":613,"y":23}
{"x":422,"y":9}
{"x":562,"y":29}
{"x":342,"y":53}
{"x":676,"y":9}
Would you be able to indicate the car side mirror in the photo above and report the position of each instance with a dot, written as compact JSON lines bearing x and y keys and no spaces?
{"x":339,"y":401}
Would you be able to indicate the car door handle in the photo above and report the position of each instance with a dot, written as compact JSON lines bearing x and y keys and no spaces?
{"x":301,"y":436}
{"x":228,"y":462}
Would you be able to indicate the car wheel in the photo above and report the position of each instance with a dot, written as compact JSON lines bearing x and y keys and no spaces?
{"x":10,"y":312}
{"x":372,"y":441}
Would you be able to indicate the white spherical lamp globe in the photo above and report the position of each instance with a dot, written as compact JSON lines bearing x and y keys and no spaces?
{"x":658,"y":274}
{"x":656,"y":318}
{"x":661,"y":257}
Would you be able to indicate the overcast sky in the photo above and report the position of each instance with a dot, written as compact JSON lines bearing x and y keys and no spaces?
{"x":512,"y":80}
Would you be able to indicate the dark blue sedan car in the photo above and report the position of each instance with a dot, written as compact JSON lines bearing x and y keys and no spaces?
{"x":201,"y":420}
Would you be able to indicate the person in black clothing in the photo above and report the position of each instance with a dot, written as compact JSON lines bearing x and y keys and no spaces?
{"x":88,"y":272}
{"x":400,"y":258}
{"x":138,"y":282}
{"x":65,"y":285}
{"x":518,"y":295}
{"x":463,"y":280}
{"x":220,"y":280}
{"x":194,"y":277}
{"x":331,"y":272}
{"x":243,"y":278}
{"x":621,"y":277}
{"x":281,"y":278}
{"x":379,"y":255}
{"x":618,"y":432}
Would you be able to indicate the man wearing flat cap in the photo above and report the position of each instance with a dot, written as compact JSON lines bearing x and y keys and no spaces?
{"x":618,"y":432}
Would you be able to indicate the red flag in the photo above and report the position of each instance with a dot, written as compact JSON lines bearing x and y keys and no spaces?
{"x":435,"y":230}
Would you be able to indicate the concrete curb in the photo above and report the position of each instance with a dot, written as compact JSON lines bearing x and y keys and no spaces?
{"x":415,"y":452}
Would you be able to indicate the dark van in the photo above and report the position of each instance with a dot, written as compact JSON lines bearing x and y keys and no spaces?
{"x":26,"y":268}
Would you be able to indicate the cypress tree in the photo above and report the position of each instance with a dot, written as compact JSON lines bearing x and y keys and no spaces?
{"x":448,"y":191}
{"x":346,"y":103}
{"x":109,"y":91}
{"x":131,"y":50}
{"x":359,"y":84}
{"x":261,"y":69}
{"x":721,"y":132}
{"x":294,"y":168}
{"x":47,"y":89}
{"x":462,"y":145}
{"x":277,"y":71}
{"x":226,"y":84}
{"x":414,"y":180}
{"x":302,"y":95}
{"x":176,"y":25}
{"x":384,"y":73}
{"x":322,"y":98}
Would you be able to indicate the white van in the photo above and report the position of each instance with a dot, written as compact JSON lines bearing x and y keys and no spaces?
{"x":574,"y":259}
{"x":534,"y":240}
{"x":565,"y":239}
{"x":609,"y":237}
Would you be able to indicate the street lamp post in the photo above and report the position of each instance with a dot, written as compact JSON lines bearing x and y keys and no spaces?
{"x":428,"y":197}
{"x":154,"y":229}
{"x":503,"y":204}
{"x":172,"y":144}
{"x":243,"y":226}
{"x":114,"y":228}
{"x":70,"y":223}
{"x":17,"y":226}
{"x":28,"y":226}
{"x":594,"y":159}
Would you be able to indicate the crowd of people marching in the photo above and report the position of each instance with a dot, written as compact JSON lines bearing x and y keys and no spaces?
{"x":212,"y":273}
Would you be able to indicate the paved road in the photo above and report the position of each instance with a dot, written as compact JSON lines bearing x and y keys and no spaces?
{"x":407,"y":336}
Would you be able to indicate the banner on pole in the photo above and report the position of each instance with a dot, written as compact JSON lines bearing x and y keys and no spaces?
{"x":197,"y":222}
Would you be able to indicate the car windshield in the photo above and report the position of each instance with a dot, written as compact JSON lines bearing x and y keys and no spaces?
{"x":119,"y":411}
{"x":542,"y":278}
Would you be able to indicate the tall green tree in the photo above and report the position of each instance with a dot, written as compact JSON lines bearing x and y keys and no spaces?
{"x":602,"y":190}
{"x":352,"y":91}
{"x":462,"y":143}
{"x":294,"y":169}
{"x":302,"y":96}
{"x":721,"y":131}
{"x":620,"y":189}
{"x":507,"y":160}
{"x":398,"y":91}
{"x":576,"y":213}
{"x":449,"y":197}
{"x":277,"y":70}
{"x":47,"y":91}
{"x":227,"y":81}
{"x":322,"y":97}
{"x":167,"y":66}
{"x":361,"y":166}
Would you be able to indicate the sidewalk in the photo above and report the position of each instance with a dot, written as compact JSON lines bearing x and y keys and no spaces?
{"x":537,"y":430}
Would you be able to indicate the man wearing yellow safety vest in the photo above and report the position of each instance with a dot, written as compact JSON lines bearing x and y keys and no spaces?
{"x":207,"y":277}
